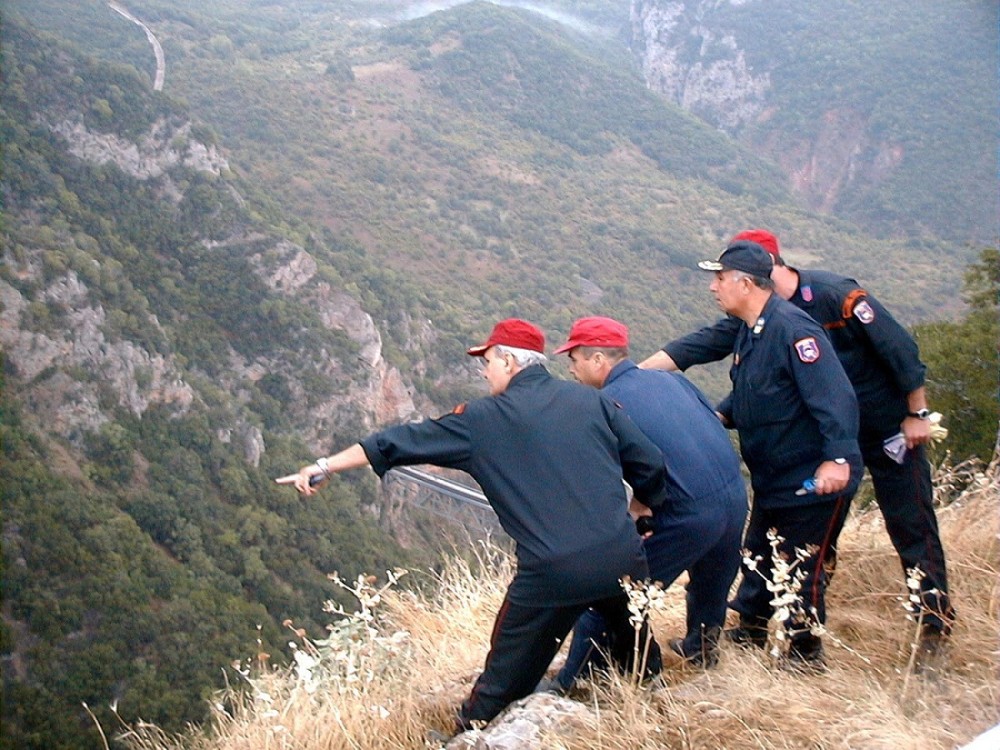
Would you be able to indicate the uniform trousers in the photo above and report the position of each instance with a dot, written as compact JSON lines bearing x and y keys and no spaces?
{"x":526,"y":638}
{"x":906,"y":500}
{"x":813,"y":528}
{"x":703,"y":539}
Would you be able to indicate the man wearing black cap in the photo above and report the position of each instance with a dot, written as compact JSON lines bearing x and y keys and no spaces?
{"x":797,"y":418}
{"x":882,"y":361}
{"x":550,"y":457}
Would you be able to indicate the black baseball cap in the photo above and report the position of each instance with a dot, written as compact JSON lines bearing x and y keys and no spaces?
{"x":743,"y":255}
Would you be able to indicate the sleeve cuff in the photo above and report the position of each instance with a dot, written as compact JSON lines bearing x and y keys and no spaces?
{"x":841,"y":449}
{"x":378,"y":462}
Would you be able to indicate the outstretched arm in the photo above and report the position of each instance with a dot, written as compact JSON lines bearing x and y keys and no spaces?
{"x":349,"y":458}
{"x":659,"y":361}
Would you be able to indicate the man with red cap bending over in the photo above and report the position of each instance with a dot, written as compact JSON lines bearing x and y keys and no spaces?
{"x":700,"y":526}
{"x":550,"y":456}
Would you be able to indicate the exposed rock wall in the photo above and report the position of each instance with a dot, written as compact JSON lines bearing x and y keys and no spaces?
{"x":691,"y":58}
{"x":699,"y":67}
{"x":64,"y":371}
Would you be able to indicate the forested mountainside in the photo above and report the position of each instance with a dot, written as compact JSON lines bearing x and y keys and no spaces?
{"x":879,"y":113}
{"x":291,"y":244}
{"x":168,"y":347}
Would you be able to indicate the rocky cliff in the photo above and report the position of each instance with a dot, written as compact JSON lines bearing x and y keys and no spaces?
{"x":842,"y":97}
{"x":690,"y":55}
{"x":72,"y":375}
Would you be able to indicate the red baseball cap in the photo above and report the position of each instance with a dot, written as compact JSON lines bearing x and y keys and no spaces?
{"x":512,"y":332}
{"x":762,"y":237}
{"x":595,"y":331}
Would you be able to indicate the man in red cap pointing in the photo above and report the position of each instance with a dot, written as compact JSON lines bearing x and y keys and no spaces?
{"x":550,"y":456}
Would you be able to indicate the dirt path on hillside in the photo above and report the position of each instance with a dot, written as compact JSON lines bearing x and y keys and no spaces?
{"x":161,"y":60}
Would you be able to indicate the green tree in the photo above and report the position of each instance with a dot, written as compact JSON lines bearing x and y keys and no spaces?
{"x":962,"y":360}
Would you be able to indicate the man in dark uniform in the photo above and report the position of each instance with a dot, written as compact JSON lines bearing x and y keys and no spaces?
{"x":883,"y":363}
{"x":550,"y":456}
{"x":797,"y":419}
{"x":700,"y":528}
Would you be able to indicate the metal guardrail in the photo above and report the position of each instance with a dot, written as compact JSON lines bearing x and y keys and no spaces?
{"x":442,"y":485}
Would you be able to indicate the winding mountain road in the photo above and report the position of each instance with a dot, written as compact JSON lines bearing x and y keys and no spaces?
{"x":161,"y":60}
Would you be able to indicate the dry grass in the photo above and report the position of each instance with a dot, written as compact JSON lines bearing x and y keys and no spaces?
{"x":382,"y":683}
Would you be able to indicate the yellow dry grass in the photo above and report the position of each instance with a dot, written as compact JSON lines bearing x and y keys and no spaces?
{"x":406,"y":672}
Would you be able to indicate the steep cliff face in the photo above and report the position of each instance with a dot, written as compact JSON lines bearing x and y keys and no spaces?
{"x":71,"y":374}
{"x":690,"y":53}
{"x":696,"y":65}
{"x":384,"y":397}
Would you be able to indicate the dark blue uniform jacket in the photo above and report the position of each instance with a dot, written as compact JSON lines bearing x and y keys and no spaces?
{"x":880,"y":357}
{"x":700,"y":460}
{"x":550,"y":456}
{"x":791,"y":403}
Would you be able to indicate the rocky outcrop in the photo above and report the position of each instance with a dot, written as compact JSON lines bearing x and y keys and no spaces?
{"x":383,"y":396}
{"x":536,"y":721}
{"x":69,"y":405}
{"x":161,"y":148}
{"x":689,"y":56}
{"x":66,"y":371}
{"x":695,"y":65}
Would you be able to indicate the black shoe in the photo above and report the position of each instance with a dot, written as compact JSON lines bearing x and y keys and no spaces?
{"x":551,"y":685}
{"x":707,"y":657}
{"x":930,"y":650}
{"x":746,"y":635}
{"x":806,"y":656}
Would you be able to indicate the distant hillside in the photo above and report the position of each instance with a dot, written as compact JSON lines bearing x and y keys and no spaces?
{"x":143,"y":288}
{"x":878,"y":113}
{"x":491,"y":162}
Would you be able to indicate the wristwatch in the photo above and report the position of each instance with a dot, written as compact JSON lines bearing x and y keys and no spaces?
{"x":919,"y":413}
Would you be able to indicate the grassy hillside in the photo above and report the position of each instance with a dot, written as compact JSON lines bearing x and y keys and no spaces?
{"x":418,"y":661}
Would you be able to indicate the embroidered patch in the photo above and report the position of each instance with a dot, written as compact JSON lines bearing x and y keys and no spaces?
{"x":807,"y":293}
{"x":864,"y":312}
{"x":807,"y":349}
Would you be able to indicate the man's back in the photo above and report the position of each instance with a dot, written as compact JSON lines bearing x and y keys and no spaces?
{"x":550,"y":457}
{"x":674,"y":414}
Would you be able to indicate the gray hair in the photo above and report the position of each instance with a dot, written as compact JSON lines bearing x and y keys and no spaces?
{"x":523,"y":357}
{"x":761,"y":282}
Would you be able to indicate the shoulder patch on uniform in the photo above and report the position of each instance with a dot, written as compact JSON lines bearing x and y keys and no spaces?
{"x":864,"y":312}
{"x":847,"y":309}
{"x":807,"y":349}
